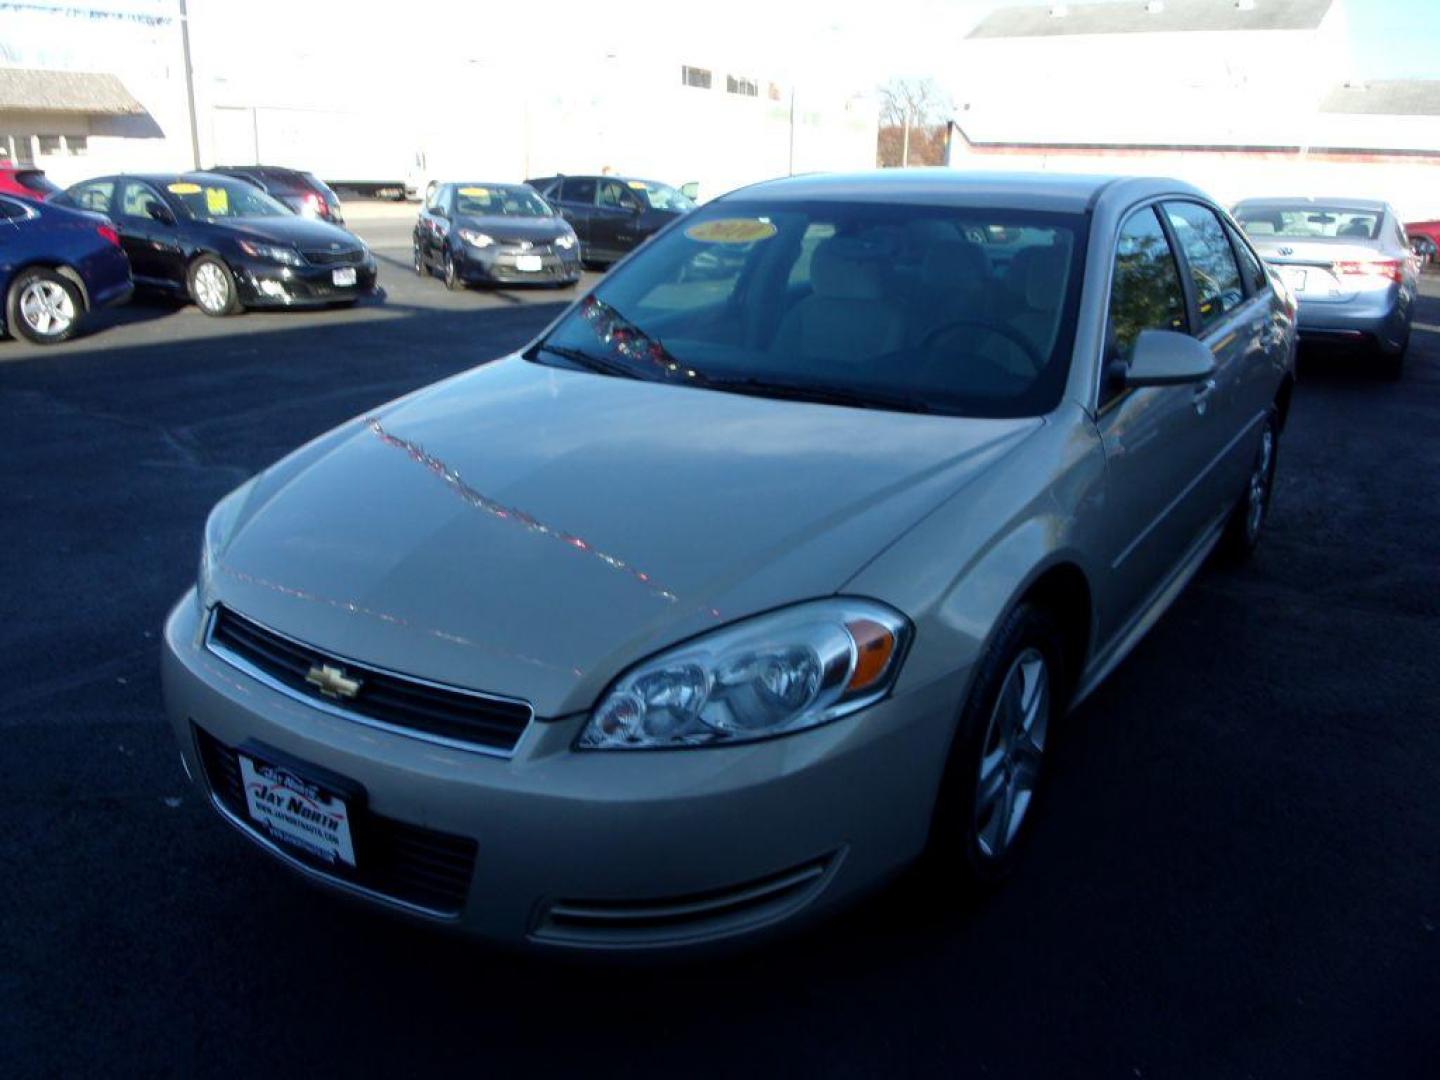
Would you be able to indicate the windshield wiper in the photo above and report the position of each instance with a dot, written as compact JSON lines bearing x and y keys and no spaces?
{"x":590,"y":361}
{"x":824,"y":395}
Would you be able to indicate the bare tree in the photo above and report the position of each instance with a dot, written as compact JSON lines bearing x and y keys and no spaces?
{"x":910,"y":103}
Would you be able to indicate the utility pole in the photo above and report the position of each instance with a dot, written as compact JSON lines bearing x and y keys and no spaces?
{"x":905,"y":141}
{"x":190,"y":87}
{"x":792,"y":130}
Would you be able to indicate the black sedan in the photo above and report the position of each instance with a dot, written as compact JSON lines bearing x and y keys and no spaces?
{"x":226,"y":244}
{"x":494,"y":234}
{"x":613,"y":215}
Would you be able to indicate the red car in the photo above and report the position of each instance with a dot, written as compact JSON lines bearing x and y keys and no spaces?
{"x":25,"y":181}
{"x":1422,"y":231}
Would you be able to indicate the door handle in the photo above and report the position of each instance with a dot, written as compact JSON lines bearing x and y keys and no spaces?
{"x":1201,"y":399}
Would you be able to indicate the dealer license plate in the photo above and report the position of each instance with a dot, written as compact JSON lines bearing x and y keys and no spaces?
{"x":528,"y":263}
{"x":296,"y":812}
{"x":1294,"y":278}
{"x":344,"y":275}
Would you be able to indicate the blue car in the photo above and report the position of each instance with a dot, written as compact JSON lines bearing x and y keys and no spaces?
{"x":56,"y":265}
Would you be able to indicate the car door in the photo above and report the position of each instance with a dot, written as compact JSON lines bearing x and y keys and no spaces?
{"x":576,"y":203}
{"x":1233,"y":321}
{"x":1158,"y":440}
{"x":435,"y":225}
{"x":150,"y":235}
{"x":614,"y":225}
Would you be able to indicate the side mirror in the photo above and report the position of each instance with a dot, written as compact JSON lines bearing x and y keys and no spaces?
{"x":160,"y":212}
{"x":1168,"y":358}
{"x":635,"y":207}
{"x":439,"y":211}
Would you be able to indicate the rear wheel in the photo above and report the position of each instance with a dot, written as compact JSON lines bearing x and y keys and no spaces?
{"x":417,"y":258}
{"x":997,"y":762}
{"x":43,"y":307}
{"x":1247,"y":519}
{"x":212,"y":287}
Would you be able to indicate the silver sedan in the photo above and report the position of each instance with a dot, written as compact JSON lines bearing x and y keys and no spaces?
{"x":770,"y":567}
{"x":1349,"y":264}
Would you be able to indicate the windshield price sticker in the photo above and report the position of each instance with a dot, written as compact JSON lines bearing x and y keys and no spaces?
{"x":184,"y":189}
{"x":731,"y":230}
{"x":476,"y":192}
{"x":217,"y":200}
{"x":638,"y":185}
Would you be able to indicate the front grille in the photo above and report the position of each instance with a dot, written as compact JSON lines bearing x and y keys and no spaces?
{"x":349,"y":257}
{"x":415,"y":865}
{"x":440,"y":712}
{"x":681,"y":919}
{"x":515,"y":247}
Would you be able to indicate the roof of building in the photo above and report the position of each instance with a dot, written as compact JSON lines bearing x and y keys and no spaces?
{"x":1388,"y":97}
{"x":1156,"y":16}
{"x":86,"y":92}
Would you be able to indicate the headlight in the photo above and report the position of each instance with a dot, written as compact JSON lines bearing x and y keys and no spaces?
{"x":565,"y":241}
{"x":273,"y":252}
{"x":478,"y":239}
{"x":771,"y":675}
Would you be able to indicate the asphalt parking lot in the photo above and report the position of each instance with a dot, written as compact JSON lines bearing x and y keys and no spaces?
{"x":1237,"y":875}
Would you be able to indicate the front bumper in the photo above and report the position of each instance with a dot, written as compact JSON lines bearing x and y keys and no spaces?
{"x":599,"y":850}
{"x":268,"y":284}
{"x":498,"y":266}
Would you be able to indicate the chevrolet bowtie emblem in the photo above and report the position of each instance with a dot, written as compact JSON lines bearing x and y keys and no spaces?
{"x":332,"y":681}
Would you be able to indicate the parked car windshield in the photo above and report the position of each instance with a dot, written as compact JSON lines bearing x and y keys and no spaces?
{"x":960,"y":311}
{"x":1309,"y":222}
{"x":488,"y":200}
{"x":213,"y":199}
{"x":661,"y":196}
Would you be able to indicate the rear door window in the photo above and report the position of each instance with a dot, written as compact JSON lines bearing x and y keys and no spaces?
{"x":1216,"y":275}
{"x":578,"y":189}
{"x":1250,"y":264}
{"x":96,"y":195}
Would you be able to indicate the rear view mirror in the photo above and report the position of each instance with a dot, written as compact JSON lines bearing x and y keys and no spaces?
{"x":1168,"y":358}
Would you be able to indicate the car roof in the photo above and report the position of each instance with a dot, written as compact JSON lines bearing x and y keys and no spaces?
{"x":1339,"y":203}
{"x":1017,"y":190}
{"x":158,"y":178}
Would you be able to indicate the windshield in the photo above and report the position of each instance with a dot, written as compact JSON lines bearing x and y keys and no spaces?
{"x":488,"y":200}
{"x":1309,"y":222}
{"x":661,"y":196}
{"x":915,"y":308}
{"x":213,"y":199}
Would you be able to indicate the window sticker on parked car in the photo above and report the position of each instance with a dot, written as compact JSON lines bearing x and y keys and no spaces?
{"x":217,"y":200}
{"x":731,"y":230}
{"x":476,"y":192}
{"x":184,"y":188}
{"x":638,"y":185}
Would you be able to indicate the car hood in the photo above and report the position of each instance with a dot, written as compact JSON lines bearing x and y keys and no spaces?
{"x":532,"y":531}
{"x":302,"y":232}
{"x":509,"y":227}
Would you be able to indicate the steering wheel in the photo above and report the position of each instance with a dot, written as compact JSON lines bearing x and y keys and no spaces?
{"x":1009,"y":333}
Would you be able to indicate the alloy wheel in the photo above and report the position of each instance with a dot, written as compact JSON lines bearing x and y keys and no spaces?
{"x":1012,"y":752}
{"x":212,"y":291}
{"x":1257,"y":496}
{"x":47,"y":308}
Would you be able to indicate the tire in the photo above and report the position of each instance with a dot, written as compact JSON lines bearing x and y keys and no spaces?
{"x":417,"y":259}
{"x":43,"y":307}
{"x":1247,"y":519}
{"x":212,"y":287}
{"x":452,"y":279}
{"x":996,"y":771}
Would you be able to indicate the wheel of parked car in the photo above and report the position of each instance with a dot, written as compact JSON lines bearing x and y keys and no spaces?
{"x":43,"y":307}
{"x":452,"y":278}
{"x":1242,"y":531}
{"x":416,"y":259}
{"x":212,"y":287}
{"x":997,"y":759}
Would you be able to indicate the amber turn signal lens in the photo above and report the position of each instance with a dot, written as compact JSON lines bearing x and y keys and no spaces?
{"x":874,"y":645}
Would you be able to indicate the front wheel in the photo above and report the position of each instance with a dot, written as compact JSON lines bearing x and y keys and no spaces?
{"x":212,"y":287}
{"x":452,"y":276}
{"x":997,"y":761}
{"x":1247,"y":519}
{"x":417,"y":258}
{"x":43,"y":307}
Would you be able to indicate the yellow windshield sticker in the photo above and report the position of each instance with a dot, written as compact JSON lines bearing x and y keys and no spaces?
{"x":638,"y":185}
{"x":184,"y":189}
{"x":476,"y":192}
{"x":731,"y":230}
{"x":217,"y":200}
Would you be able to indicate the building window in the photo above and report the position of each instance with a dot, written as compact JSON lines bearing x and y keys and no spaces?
{"x":774,"y":91}
{"x":49,"y":144}
{"x":693,"y":76}
{"x":77,"y":145}
{"x":742,"y":86}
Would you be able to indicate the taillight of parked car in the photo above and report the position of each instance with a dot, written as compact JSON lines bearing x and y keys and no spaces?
{"x":109,"y":234}
{"x":1391,"y":269}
